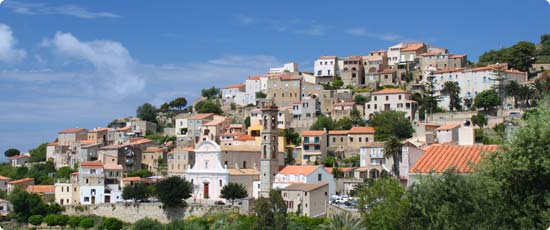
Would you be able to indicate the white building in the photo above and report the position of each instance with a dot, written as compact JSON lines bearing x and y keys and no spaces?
{"x":208,"y":176}
{"x":288,"y":67}
{"x":473,"y":80}
{"x":325,"y":69}
{"x":292,"y":174}
{"x":391,"y":100}
{"x":394,"y":54}
{"x":92,"y":182}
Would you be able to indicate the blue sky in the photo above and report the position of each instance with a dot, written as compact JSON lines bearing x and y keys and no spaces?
{"x":83,"y":63}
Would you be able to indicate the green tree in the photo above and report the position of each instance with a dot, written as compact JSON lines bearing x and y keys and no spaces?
{"x":26,"y":205}
{"x":519,"y":56}
{"x":452,"y":89}
{"x":360,"y":99}
{"x":292,"y":137}
{"x":386,"y":207}
{"x":143,"y":173}
{"x":12,"y":152}
{"x":38,"y":154}
{"x":135,"y":192}
{"x":343,"y":221}
{"x":165,"y":107}
{"x":391,"y":123}
{"x":178,"y":103}
{"x":233,"y":191}
{"x":330,"y":162}
{"x":305,"y":222}
{"x":487,"y":99}
{"x":208,"y":106}
{"x":74,"y":221}
{"x":512,"y":90}
{"x":111,"y":224}
{"x":323,"y":122}
{"x":345,"y":123}
{"x":260,"y":95}
{"x":525,"y":93}
{"x":36,"y":220}
{"x":64,"y":172}
{"x":392,"y":149}
{"x":86,"y":223}
{"x":247,"y":122}
{"x":211,"y":92}
{"x":173,"y":190}
{"x":147,"y":112}
{"x":271,"y":212}
{"x":479,"y":120}
{"x":147,"y":224}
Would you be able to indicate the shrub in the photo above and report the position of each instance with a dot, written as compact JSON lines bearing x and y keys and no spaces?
{"x":147,"y":224}
{"x":36,"y":220}
{"x":74,"y":221}
{"x":86,"y":223}
{"x":111,"y":224}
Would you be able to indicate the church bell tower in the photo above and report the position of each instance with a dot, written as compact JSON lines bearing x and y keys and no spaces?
{"x":269,"y":159}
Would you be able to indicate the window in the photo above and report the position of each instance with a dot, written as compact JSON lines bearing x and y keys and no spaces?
{"x":399,"y":97}
{"x":350,"y":139}
{"x":319,"y":177}
{"x":334,"y":140}
{"x":221,"y":183}
{"x":328,"y":71}
{"x":244,"y":164}
{"x":360,"y":139}
{"x":341,"y":139}
{"x":387,"y":98}
{"x":375,"y":97}
{"x":86,"y":199}
{"x":306,"y":147}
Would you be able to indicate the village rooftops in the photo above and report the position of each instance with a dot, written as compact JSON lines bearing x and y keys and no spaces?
{"x":71,"y":130}
{"x":125,"y":128}
{"x":412,"y":46}
{"x":306,"y":187}
{"x":299,"y":169}
{"x":448,"y":126}
{"x":234,"y":86}
{"x":254,"y":78}
{"x":91,"y":164}
{"x":439,"y":157}
{"x":153,"y":150}
{"x":361,"y":130}
{"x":131,"y":179}
{"x":20,"y":181}
{"x":338,"y":132}
{"x":36,"y":189}
{"x":16,"y":157}
{"x":201,"y":116}
{"x":113,"y":167}
{"x":389,"y":91}
{"x":140,"y":141}
{"x":312,"y":133}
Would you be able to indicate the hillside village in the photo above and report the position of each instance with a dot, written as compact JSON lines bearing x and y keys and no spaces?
{"x":404,"y":112}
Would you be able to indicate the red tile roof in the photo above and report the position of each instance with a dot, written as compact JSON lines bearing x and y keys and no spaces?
{"x":16,"y":157}
{"x":309,"y":133}
{"x":448,"y":126}
{"x":24,"y":180}
{"x":438,"y":158}
{"x":4,"y":178}
{"x":99,"y":130}
{"x":41,"y":189}
{"x":389,"y":91}
{"x":55,"y":143}
{"x":200,"y":116}
{"x":125,"y":128}
{"x":457,"y":55}
{"x":128,"y":179}
{"x":453,"y":70}
{"x":413,"y":46}
{"x":338,"y":132}
{"x":306,"y":187}
{"x":140,"y":141}
{"x":361,"y":130}
{"x":72,"y":130}
{"x":91,"y":164}
{"x":299,"y":169}
{"x":113,"y":167}
{"x":255,"y":78}
{"x":153,"y":150}
{"x":246,"y":138}
{"x":234,"y":86}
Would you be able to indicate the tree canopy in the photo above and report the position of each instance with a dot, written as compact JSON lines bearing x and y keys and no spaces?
{"x":487,"y":99}
{"x":208,"y":106}
{"x":12,"y":152}
{"x":211,"y":92}
{"x":147,"y":112}
{"x":391,"y":123}
{"x":518,"y":56}
{"x":178,"y":103}
{"x":233,"y":191}
{"x":452,"y":89}
{"x":173,"y":190}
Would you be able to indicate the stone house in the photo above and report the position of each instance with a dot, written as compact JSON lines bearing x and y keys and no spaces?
{"x":309,"y":199}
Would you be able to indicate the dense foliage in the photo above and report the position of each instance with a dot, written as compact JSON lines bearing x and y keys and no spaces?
{"x":12,"y":152}
{"x":173,"y":190}
{"x":147,"y":112}
{"x":391,"y":123}
{"x":487,"y":99}
{"x":233,"y":191}
{"x":26,"y":205}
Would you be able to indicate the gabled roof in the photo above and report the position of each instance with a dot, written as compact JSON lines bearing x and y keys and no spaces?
{"x":234,"y":86}
{"x":413,"y":46}
{"x":113,"y":167}
{"x":310,"y":133}
{"x":153,"y":150}
{"x":338,"y":132}
{"x":71,"y":130}
{"x":438,"y":157}
{"x":200,"y":116}
{"x":389,"y":91}
{"x":4,"y":178}
{"x":98,"y":130}
{"x":24,"y":180}
{"x":125,"y":128}
{"x":16,"y":157}
{"x":91,"y":164}
{"x":140,"y":141}
{"x":299,"y":169}
{"x":448,"y":126}
{"x":246,"y":138}
{"x":361,"y":130}
{"x":41,"y":189}
{"x":306,"y":187}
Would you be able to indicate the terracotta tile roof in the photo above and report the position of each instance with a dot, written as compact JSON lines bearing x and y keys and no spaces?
{"x":361,"y":130}
{"x":243,"y":172}
{"x":232,"y":134}
{"x":24,"y":180}
{"x":55,"y":143}
{"x":112,"y":167}
{"x":71,"y":130}
{"x":428,"y":124}
{"x":41,"y":189}
{"x":246,"y":138}
{"x":74,"y":173}
{"x":87,"y":142}
{"x":412,"y":46}
{"x":354,"y":58}
{"x":515,"y":71}
{"x":448,"y":126}
{"x":140,"y":141}
{"x":306,"y":187}
{"x":327,"y":57}
{"x":98,"y":130}
{"x":457,"y":55}
{"x":235,"y":86}
{"x":125,"y":128}
{"x":389,"y":91}
{"x":338,"y":132}
{"x":128,"y":179}
{"x":153,"y":150}
{"x":91,"y":164}
{"x":291,"y":78}
{"x":200,"y":116}
{"x":182,"y":149}
{"x":453,"y":70}
{"x":215,"y":121}
{"x":329,"y":169}
{"x":255,"y":78}
{"x":299,"y":169}
{"x":4,"y":178}
{"x":386,"y":71}
{"x":438,"y":158}
{"x":18,"y":157}
{"x":309,"y":133}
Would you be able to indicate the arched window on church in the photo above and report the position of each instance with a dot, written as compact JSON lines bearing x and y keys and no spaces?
{"x":265,"y":151}
{"x":265,"y":122}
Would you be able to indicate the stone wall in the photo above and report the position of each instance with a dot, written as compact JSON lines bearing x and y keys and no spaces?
{"x":131,"y":213}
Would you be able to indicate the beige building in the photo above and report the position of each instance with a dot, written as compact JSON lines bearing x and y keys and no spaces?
{"x":381,"y":78}
{"x":353,"y":72}
{"x":391,"y":100}
{"x":179,"y":160}
{"x":285,"y":89}
{"x":309,"y":199}
{"x":47,"y":192}
{"x":151,"y":159}
{"x":447,"y":133}
{"x":215,"y":128}
{"x":342,"y":109}
{"x":346,"y":143}
{"x":21,"y":183}
{"x":68,"y":192}
{"x":69,"y":137}
{"x":314,"y":146}
{"x":4,"y":183}
{"x":99,"y":136}
{"x":194,"y":125}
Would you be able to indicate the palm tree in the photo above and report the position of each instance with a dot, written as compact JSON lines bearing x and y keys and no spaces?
{"x":525,"y":93}
{"x":392,"y":148}
{"x":452,"y":89}
{"x":343,"y":221}
{"x":512,"y":90}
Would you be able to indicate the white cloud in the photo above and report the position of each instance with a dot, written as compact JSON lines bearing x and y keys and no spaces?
{"x":8,"y":52}
{"x":363,"y":32}
{"x":116,"y":69}
{"x":26,"y":8}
